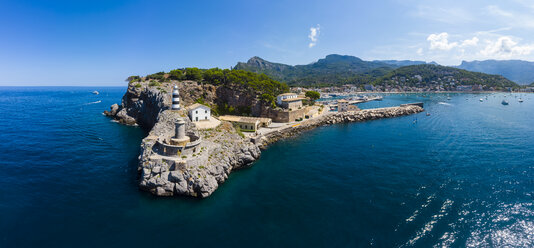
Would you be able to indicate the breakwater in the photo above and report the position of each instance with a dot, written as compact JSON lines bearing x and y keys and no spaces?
{"x":199,"y":172}
{"x":344,"y":117}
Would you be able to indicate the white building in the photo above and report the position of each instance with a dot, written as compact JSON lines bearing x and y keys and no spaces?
{"x":199,"y":112}
{"x":280,"y":98}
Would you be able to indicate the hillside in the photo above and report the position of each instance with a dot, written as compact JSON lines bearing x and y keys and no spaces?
{"x":225,"y":91}
{"x":521,"y":72}
{"x":436,"y":77}
{"x":332,"y":70}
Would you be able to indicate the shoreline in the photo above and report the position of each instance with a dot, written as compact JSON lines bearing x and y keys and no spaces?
{"x":199,"y":170}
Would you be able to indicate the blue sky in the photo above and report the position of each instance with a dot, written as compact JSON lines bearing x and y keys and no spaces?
{"x":102,"y":42}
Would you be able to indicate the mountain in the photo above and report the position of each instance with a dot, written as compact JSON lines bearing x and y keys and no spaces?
{"x":400,"y":63}
{"x":342,"y":69}
{"x":435,"y":76}
{"x":519,"y":71}
{"x":333,"y":69}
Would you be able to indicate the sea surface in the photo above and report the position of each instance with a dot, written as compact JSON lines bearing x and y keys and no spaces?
{"x":462,"y":176}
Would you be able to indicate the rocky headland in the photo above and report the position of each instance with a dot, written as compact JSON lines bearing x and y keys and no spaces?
{"x":217,"y":152}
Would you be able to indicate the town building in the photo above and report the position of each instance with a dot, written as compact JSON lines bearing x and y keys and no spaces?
{"x":199,"y":112}
{"x":368,"y":87}
{"x":289,"y":101}
{"x":464,"y":88}
{"x":248,"y":124}
{"x":342,"y":105}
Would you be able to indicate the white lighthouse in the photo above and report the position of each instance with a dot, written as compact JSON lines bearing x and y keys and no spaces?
{"x":175,"y":98}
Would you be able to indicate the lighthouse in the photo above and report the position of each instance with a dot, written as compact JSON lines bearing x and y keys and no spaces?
{"x":175,"y":98}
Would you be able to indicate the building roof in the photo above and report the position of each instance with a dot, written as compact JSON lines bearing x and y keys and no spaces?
{"x":288,"y":94}
{"x":293,"y":99}
{"x":244,"y":119}
{"x":342,"y":100}
{"x":197,"y":105}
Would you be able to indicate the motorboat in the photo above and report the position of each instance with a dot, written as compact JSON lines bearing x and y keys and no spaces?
{"x":504,"y":102}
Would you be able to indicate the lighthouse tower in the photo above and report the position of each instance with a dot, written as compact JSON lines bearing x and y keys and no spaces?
{"x":175,"y":98}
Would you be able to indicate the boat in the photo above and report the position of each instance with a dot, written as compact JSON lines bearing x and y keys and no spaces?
{"x":96,"y":92}
{"x":520,"y":99}
{"x":427,"y":114}
{"x":481,"y":100}
{"x":449,"y":98}
{"x":504,"y":102}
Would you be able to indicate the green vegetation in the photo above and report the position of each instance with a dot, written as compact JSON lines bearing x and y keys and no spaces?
{"x":176,"y":74}
{"x":313,"y":95}
{"x":160,"y":76}
{"x":154,"y":83}
{"x":330,"y":71}
{"x":193,"y":73}
{"x":133,"y":79}
{"x":441,"y":75}
{"x":137,"y":85}
{"x":335,"y":70}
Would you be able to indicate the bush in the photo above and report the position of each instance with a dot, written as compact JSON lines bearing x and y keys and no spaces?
{"x":154,"y":83}
{"x":176,"y":75}
{"x":137,"y":85}
{"x":193,"y":73}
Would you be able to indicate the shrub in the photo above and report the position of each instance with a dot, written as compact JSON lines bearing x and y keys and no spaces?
{"x":154,"y":83}
{"x":137,"y":85}
{"x":176,"y":74}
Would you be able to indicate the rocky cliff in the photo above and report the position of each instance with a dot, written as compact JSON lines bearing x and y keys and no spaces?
{"x":219,"y":150}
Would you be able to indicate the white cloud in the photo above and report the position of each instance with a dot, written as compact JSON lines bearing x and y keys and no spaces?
{"x":440,"y":42}
{"x":506,"y":47}
{"x":471,"y":42}
{"x":314,"y":34}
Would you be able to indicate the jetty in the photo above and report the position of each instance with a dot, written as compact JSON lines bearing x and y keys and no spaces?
{"x":420,"y":104}
{"x":177,"y":158}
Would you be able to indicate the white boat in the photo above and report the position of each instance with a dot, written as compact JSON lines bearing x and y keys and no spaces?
{"x":481,"y":100}
{"x":96,"y":92}
{"x":520,"y":99}
{"x":504,"y":102}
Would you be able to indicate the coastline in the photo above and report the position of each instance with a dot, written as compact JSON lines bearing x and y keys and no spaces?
{"x":220,"y":150}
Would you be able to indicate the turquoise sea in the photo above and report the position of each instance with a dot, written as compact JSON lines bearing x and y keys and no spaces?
{"x":463,"y":176}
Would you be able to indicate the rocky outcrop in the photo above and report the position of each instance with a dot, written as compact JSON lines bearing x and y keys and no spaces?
{"x":222,"y":149}
{"x":140,"y":105}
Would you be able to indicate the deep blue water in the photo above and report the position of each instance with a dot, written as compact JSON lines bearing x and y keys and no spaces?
{"x":463,"y":176}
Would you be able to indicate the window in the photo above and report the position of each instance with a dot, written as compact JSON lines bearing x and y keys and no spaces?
{"x":205,"y":117}
{"x":196,"y":111}
{"x":206,"y":111}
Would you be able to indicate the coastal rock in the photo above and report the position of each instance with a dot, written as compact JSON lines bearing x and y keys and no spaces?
{"x":222,"y":149}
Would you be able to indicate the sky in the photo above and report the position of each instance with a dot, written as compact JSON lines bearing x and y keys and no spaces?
{"x":102,"y":42}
